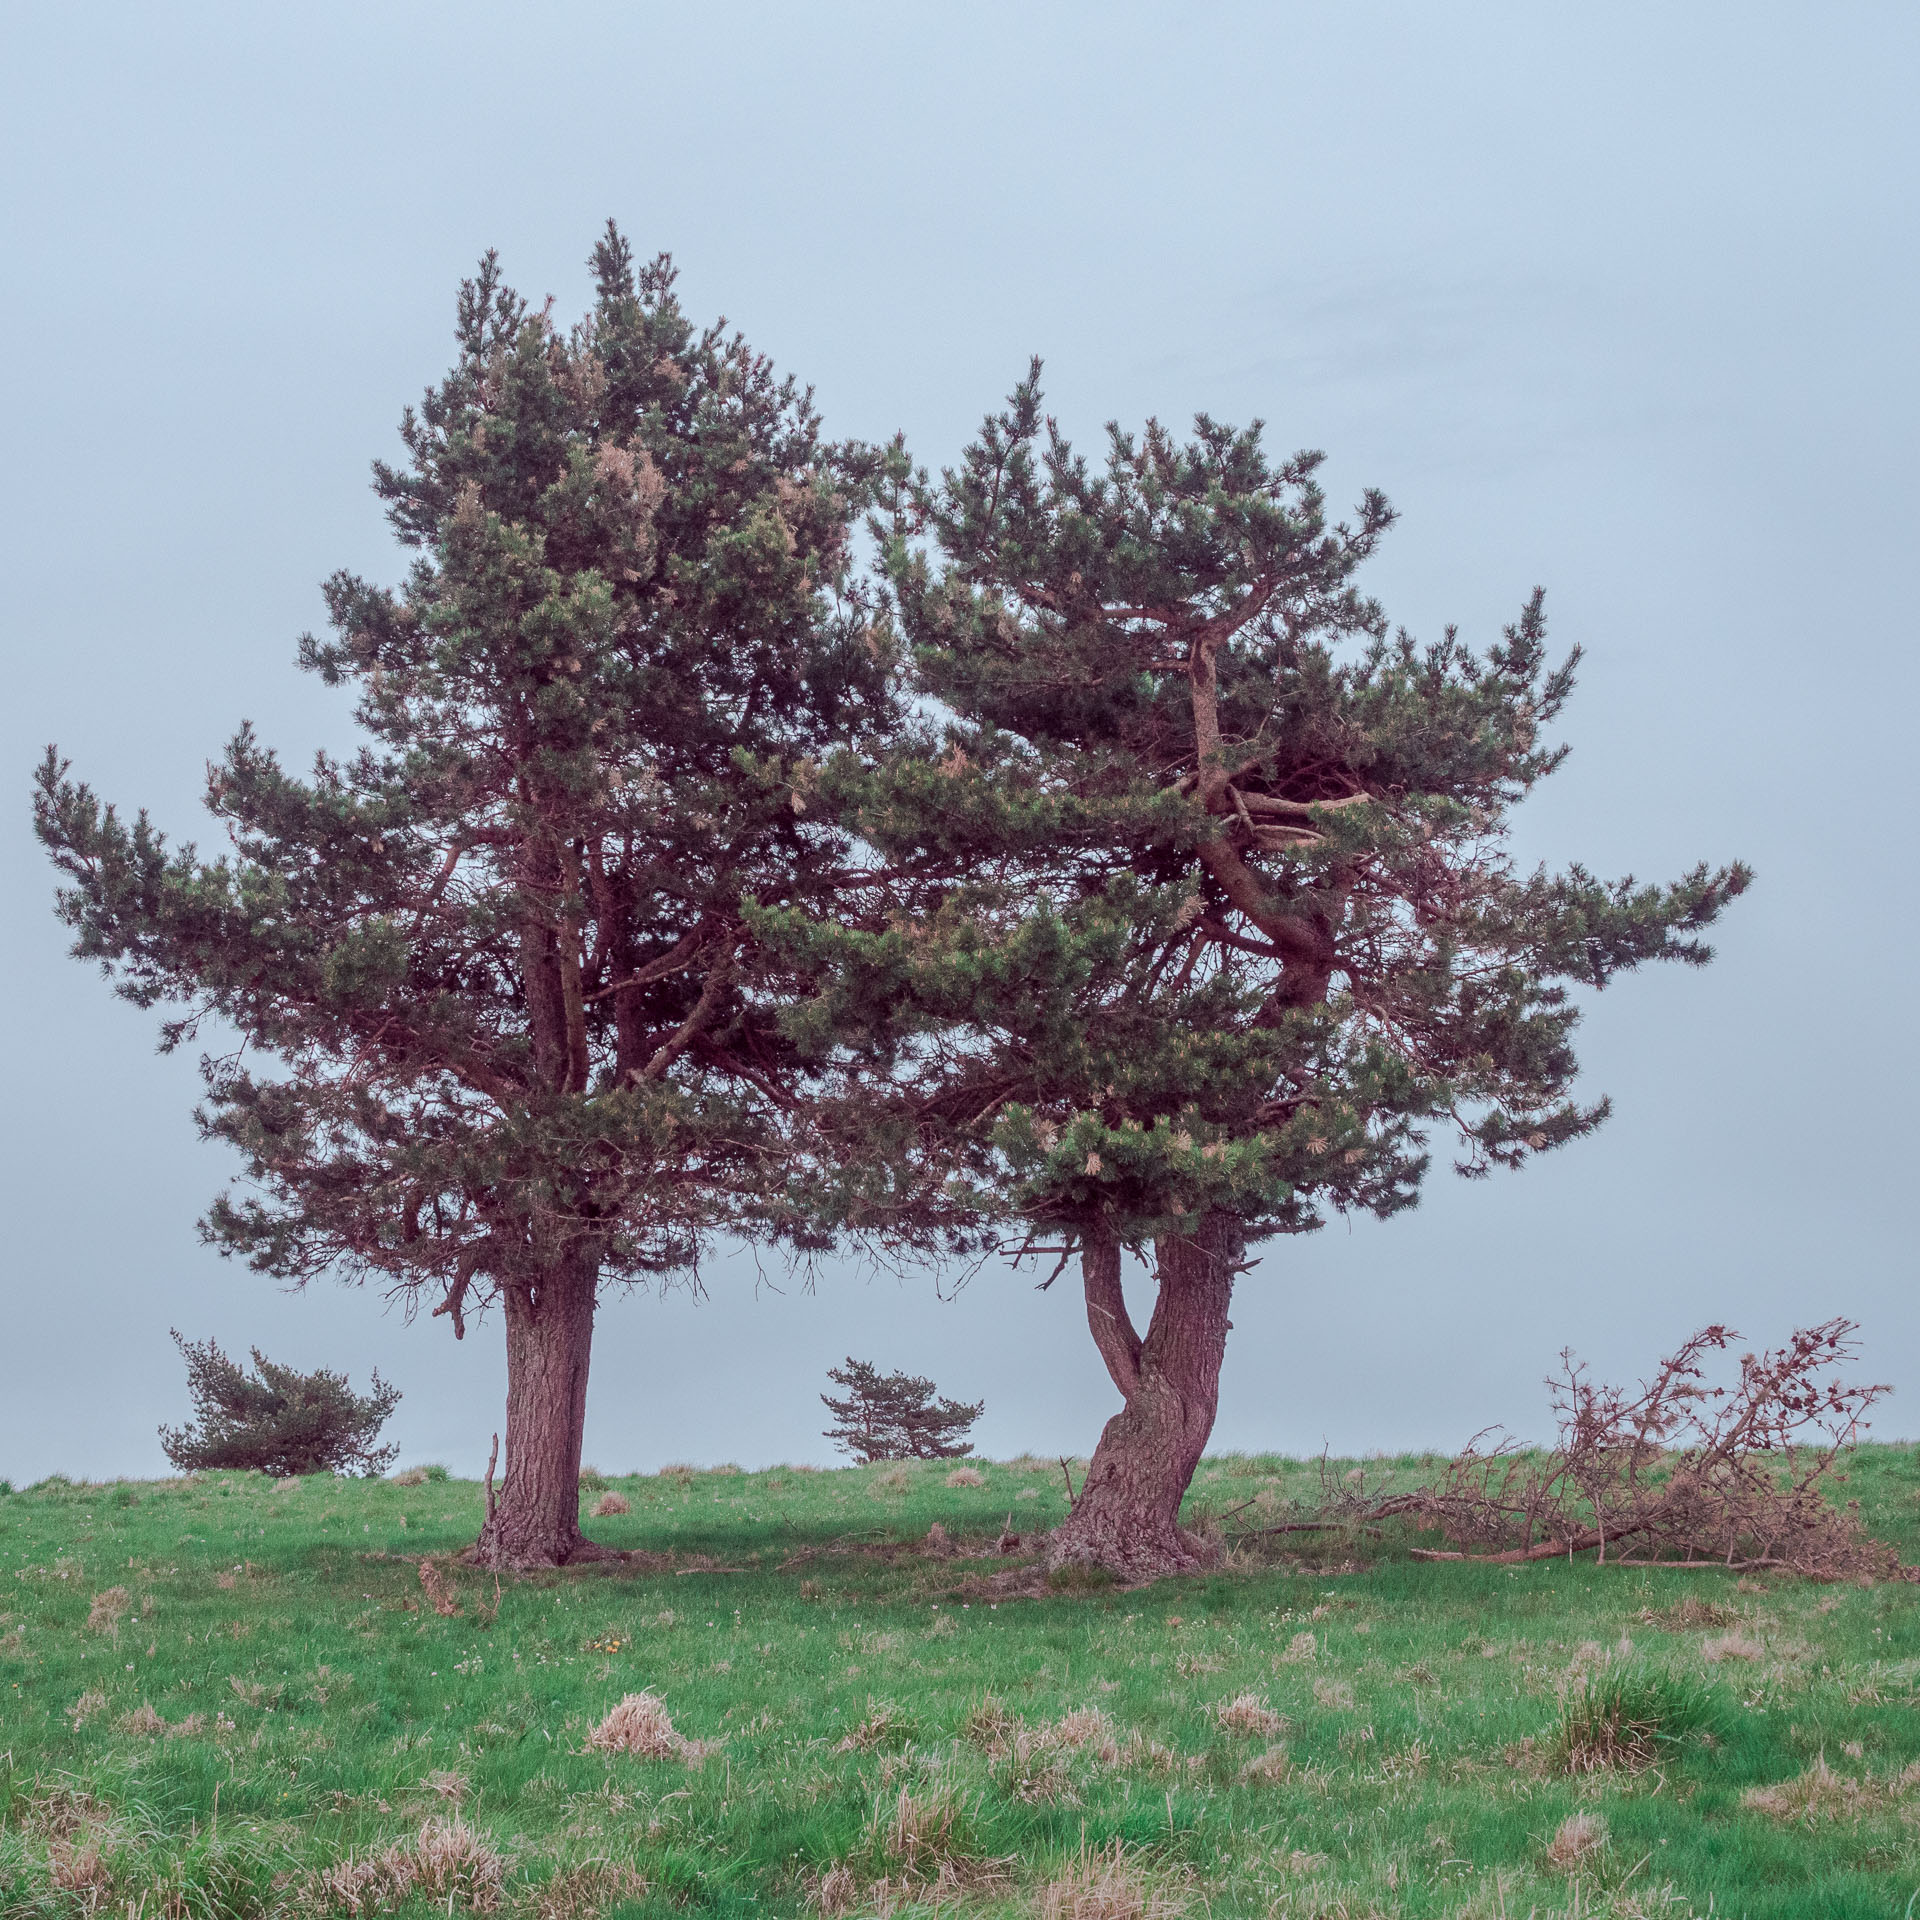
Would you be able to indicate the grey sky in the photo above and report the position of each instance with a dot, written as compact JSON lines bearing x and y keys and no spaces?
{"x":1616,"y":300}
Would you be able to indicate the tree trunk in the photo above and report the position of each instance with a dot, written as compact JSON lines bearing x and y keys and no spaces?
{"x":1127,"y":1515}
{"x":536,"y":1520}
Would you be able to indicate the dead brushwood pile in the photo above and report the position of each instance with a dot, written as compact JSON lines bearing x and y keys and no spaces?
{"x":1678,"y":1471}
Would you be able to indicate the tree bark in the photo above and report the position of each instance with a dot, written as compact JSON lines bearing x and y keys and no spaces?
{"x":536,"y":1520}
{"x":1127,"y":1515}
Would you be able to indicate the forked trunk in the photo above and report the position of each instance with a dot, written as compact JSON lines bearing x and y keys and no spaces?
{"x":535,"y":1522}
{"x":1127,"y":1516}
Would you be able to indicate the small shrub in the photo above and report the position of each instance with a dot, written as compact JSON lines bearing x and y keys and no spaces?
{"x":611,"y":1503}
{"x":895,"y":1416}
{"x":276,"y":1420}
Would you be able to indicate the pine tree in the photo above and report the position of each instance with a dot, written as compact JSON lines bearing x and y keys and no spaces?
{"x":276,"y":1420}
{"x":896,"y":1416}
{"x":1222,"y":926}
{"x":508,"y":1036}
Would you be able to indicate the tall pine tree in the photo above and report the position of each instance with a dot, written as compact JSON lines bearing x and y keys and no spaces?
{"x":508,"y":1035}
{"x":1224,"y":925}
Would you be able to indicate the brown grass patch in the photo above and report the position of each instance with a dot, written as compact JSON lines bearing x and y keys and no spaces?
{"x":1108,"y":1883}
{"x":609,"y":1504}
{"x":639,"y":1725}
{"x":1576,"y":1840}
{"x":447,"y":1864}
{"x":926,"y":1835}
{"x":884,"y":1724}
{"x":587,"y":1891}
{"x":1691,"y":1615}
{"x":1248,"y":1713}
{"x":105,"y":1613}
{"x":1821,"y":1794}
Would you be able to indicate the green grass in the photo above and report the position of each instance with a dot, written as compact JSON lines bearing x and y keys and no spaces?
{"x":1433,"y":1726}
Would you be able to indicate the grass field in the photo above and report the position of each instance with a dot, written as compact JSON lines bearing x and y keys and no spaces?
{"x":222,"y":1697}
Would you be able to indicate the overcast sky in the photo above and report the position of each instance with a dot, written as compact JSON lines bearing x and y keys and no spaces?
{"x":1620,"y":301}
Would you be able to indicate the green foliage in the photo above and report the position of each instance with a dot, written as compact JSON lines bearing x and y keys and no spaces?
{"x":275,"y":1420}
{"x":1630,"y":1719}
{"x":1215,"y":913}
{"x":503,"y":1008}
{"x":334,"y":1712}
{"x":896,"y":1416}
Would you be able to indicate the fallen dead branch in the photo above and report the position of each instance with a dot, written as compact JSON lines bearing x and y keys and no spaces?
{"x":1678,"y":1472}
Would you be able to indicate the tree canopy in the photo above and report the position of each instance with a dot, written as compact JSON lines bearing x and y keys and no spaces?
{"x":1232,"y":925}
{"x":505,"y":1030}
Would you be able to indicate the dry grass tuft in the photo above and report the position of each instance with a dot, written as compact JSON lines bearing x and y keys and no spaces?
{"x":81,"y":1870}
{"x":1577,"y":1839}
{"x":609,"y":1504}
{"x":926,"y":1836}
{"x":1732,"y":1646}
{"x":639,"y":1725}
{"x":990,"y":1726}
{"x":1692,"y":1614}
{"x":966,"y":1477}
{"x":447,"y":1863}
{"x":884,"y":1724}
{"x":1108,"y":1883}
{"x":105,"y":1613}
{"x":1821,"y":1794}
{"x":61,"y":1812}
{"x":433,"y":1583}
{"x":586,"y":1892}
{"x":1248,"y":1713}
{"x":835,"y":1892}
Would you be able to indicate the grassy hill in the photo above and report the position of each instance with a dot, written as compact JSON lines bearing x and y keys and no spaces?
{"x":219,"y":1697}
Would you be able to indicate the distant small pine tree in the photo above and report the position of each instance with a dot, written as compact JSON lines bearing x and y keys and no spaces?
{"x":276,"y":1420}
{"x":894,"y":1416}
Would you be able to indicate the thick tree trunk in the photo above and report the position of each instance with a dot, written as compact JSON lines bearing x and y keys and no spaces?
{"x":536,"y":1520}
{"x":1127,"y":1516}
